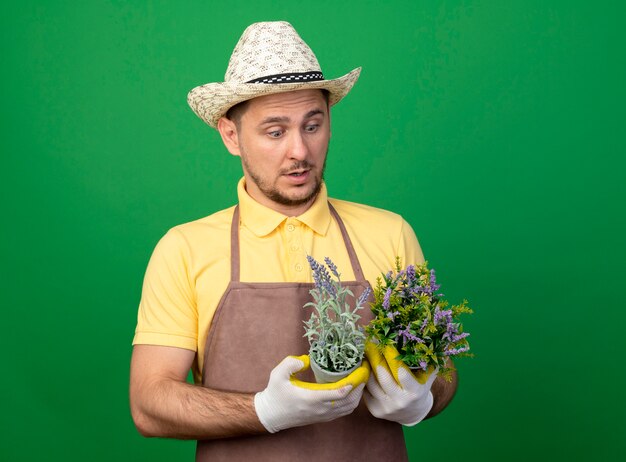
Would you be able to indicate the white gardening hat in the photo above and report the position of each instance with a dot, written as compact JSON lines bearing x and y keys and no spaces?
{"x":270,"y":57}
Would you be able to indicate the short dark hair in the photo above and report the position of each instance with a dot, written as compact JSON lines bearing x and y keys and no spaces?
{"x":236,"y":112}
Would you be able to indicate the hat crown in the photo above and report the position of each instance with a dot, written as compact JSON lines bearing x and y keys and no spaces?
{"x":269,"y":48}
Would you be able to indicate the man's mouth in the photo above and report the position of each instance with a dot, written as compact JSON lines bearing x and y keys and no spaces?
{"x":297,"y":173}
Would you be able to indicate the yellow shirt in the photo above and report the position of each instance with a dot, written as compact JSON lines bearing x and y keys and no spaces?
{"x":190,"y":267}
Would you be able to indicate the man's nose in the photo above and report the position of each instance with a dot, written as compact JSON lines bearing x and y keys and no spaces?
{"x":298,"y":148}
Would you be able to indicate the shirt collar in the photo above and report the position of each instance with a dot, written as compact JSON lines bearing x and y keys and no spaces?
{"x":262,"y":220}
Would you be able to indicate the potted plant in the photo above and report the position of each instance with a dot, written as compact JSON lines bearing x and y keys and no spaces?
{"x":411,"y":315}
{"x":336,"y":342}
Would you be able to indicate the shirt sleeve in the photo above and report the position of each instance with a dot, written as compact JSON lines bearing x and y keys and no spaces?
{"x":409,"y":249}
{"x":167,"y":312}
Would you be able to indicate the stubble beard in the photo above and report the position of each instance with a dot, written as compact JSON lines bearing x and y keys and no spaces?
{"x":273,"y":193}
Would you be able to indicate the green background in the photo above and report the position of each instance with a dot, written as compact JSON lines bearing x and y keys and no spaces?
{"x":496,"y":128}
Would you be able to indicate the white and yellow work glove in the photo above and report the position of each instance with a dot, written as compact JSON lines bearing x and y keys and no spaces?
{"x":393,"y":391}
{"x":288,"y":402}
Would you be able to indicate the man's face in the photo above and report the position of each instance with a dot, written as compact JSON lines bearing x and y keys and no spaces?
{"x":283,"y":141}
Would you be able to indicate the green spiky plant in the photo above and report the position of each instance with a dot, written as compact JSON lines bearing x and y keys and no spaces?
{"x":336,"y":342}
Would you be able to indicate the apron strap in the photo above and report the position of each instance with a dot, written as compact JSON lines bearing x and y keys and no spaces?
{"x":235,"y":259}
{"x":234,"y":246}
{"x":354,"y":260}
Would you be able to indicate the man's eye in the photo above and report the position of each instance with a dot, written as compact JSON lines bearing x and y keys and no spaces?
{"x":311,"y":128}
{"x":275,"y":133}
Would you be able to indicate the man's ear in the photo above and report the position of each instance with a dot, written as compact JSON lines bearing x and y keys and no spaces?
{"x":228,"y":132}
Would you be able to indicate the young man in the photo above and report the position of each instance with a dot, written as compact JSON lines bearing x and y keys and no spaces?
{"x":223,"y":295}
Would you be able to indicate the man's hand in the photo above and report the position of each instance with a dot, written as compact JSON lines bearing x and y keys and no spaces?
{"x":393,"y":391}
{"x":288,"y":402}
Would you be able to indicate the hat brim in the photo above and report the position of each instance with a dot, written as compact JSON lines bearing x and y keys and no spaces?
{"x":210,"y":102}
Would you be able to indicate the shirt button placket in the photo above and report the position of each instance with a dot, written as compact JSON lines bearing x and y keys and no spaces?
{"x":294,"y":246}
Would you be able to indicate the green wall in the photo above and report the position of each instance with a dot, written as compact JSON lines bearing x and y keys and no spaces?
{"x":495,"y":127}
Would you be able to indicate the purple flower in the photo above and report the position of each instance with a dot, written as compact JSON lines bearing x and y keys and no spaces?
{"x":386,"y":298}
{"x":456,"y":351}
{"x":452,"y":335}
{"x":407,"y":335}
{"x":392,"y":316}
{"x":321,"y":277}
{"x":457,"y":337}
{"x":442,"y":315}
{"x":332,"y":266}
{"x":330,"y":288}
{"x":363,"y":297}
{"x":424,"y":365}
{"x":410,"y":273}
{"x":316,"y":269}
{"x":433,"y":284}
{"x":451,"y":330}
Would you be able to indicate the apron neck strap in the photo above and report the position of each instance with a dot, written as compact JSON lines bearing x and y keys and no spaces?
{"x":234,"y":246}
{"x":354,"y":260}
{"x":235,"y":259}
